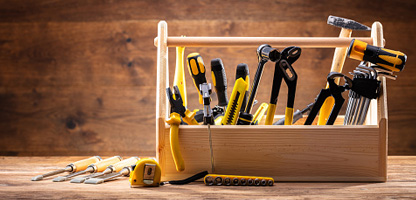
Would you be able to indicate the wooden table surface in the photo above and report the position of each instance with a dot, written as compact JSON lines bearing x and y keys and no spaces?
{"x":16,"y":172}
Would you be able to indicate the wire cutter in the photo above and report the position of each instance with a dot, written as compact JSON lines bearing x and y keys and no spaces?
{"x":335,"y":91}
{"x":284,"y":70}
{"x":178,"y":111}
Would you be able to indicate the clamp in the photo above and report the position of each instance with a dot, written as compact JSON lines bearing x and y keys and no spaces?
{"x":284,"y":70}
{"x":335,"y":91}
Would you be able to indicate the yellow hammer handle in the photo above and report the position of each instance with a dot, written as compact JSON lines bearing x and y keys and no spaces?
{"x":83,"y":164}
{"x":179,"y":78}
{"x":124,"y":163}
{"x":102,"y":165}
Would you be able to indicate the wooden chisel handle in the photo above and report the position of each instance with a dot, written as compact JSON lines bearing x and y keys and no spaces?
{"x":102,"y":165}
{"x":124,"y":163}
{"x":83,"y":164}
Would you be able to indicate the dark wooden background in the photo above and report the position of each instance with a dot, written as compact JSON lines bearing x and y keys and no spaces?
{"x":79,"y":77}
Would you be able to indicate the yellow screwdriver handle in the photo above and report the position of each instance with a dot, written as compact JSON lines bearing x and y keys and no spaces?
{"x":81,"y":165}
{"x":389,"y":59}
{"x":179,"y":78}
{"x":102,"y":165}
{"x":174,"y":121}
{"x":124,"y":163}
{"x":197,"y":71}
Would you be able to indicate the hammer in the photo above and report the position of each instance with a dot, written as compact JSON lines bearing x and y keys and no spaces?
{"x":346,"y":25}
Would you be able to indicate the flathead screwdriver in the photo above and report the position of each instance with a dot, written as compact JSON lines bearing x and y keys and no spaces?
{"x":96,"y":167}
{"x":73,"y":167}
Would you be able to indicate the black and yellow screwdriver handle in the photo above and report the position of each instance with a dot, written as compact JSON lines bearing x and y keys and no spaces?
{"x":220,"y":81}
{"x":197,"y":70}
{"x":234,"y":105}
{"x":389,"y":59}
{"x":174,"y":121}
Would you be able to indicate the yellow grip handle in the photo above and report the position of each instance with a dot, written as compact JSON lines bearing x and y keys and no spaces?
{"x":189,"y":118}
{"x":175,"y":148}
{"x":83,"y":164}
{"x":270,"y":114}
{"x":259,"y":114}
{"x":124,"y":163}
{"x":102,"y":165}
{"x":288,"y":116}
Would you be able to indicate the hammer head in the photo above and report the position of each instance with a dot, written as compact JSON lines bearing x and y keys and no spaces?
{"x":346,"y":23}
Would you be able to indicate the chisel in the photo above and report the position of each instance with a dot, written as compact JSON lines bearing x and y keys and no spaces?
{"x":96,"y":167}
{"x":123,"y":172}
{"x":73,"y":167}
{"x":110,"y":169}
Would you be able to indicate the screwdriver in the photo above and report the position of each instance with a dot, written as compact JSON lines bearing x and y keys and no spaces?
{"x":242,"y":72}
{"x":123,"y":172}
{"x":389,"y":59}
{"x":220,"y":81}
{"x":197,"y":70}
{"x":96,"y":167}
{"x":110,"y":169}
{"x":73,"y":167}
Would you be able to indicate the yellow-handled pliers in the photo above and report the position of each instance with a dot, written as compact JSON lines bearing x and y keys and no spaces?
{"x":284,"y":71}
{"x":178,"y":111}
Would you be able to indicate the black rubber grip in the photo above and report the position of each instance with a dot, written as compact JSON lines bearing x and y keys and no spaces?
{"x":220,"y":82}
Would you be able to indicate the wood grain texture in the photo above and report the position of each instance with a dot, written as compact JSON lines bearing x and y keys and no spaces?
{"x":53,"y":54}
{"x":16,"y":177}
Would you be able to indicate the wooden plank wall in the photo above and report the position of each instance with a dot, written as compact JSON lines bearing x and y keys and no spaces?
{"x":78,"y":77}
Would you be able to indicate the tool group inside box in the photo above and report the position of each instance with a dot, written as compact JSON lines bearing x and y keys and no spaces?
{"x":286,"y":153}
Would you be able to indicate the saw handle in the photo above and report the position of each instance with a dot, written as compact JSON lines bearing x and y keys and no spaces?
{"x":81,"y":165}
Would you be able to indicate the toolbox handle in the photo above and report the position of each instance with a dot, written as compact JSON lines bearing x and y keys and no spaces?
{"x":304,"y":42}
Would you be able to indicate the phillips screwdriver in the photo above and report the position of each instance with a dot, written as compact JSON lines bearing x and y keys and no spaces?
{"x":96,"y":167}
{"x":242,"y":72}
{"x":123,"y":172}
{"x":197,"y":70}
{"x":389,"y":59}
{"x":110,"y":169}
{"x":219,"y":79}
{"x":73,"y":167}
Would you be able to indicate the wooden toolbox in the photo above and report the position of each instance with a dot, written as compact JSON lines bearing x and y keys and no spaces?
{"x":286,"y":153}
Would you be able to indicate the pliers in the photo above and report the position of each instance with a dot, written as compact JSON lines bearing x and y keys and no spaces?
{"x":335,"y":91}
{"x":178,"y":111}
{"x":284,"y":70}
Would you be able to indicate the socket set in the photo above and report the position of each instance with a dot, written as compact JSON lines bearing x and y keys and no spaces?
{"x":228,"y":180}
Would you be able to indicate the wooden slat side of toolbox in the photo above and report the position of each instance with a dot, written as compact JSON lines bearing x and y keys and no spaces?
{"x":286,"y":153}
